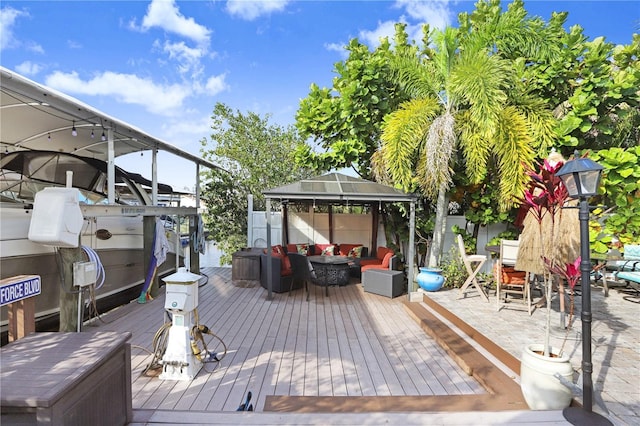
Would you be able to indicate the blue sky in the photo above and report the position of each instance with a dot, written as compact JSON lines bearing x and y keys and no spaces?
{"x":162,"y":65}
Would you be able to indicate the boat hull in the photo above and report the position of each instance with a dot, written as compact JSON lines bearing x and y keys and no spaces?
{"x":121,"y":255}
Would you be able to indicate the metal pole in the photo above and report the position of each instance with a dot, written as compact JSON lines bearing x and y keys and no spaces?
{"x":585,"y":271}
{"x":585,"y":415}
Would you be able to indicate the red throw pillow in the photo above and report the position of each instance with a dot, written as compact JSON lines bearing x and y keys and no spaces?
{"x":285,"y":264}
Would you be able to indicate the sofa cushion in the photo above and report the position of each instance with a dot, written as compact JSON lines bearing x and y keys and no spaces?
{"x":382,"y":252}
{"x":302,"y":249}
{"x":355,"y":252}
{"x":285,"y":264}
{"x":299,"y":248}
{"x":278,"y":249}
{"x":386,"y":260}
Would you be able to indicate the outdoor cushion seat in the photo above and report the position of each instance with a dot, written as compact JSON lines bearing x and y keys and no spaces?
{"x":281,"y":271}
{"x":388,"y":262}
{"x":381,"y":252}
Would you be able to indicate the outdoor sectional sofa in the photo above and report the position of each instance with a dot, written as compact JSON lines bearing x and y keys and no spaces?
{"x":282,"y":274}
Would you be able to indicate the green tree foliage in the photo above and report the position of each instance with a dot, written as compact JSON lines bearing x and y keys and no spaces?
{"x":593,"y":89}
{"x":253,"y":156}
{"x":620,"y":188}
{"x":468,"y":95}
{"x":345,"y":120}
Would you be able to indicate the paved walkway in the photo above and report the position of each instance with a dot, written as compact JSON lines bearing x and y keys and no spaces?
{"x":615,"y":340}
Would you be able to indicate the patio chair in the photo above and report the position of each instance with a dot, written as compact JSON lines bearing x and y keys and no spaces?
{"x":303,"y":271}
{"x":627,"y":270}
{"x":473,"y":263}
{"x":508,"y":280}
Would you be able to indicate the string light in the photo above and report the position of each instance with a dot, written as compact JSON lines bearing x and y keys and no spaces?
{"x":103,"y":137}
{"x":74,"y":132}
{"x":49,"y":136}
{"x":92,"y":135}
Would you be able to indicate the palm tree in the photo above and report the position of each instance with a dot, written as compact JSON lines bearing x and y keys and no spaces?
{"x":469,"y":101}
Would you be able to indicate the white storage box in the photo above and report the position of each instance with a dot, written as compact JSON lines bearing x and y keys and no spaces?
{"x":56,"y":219}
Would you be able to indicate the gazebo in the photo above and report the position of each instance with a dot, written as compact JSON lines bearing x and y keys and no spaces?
{"x":339,"y":189}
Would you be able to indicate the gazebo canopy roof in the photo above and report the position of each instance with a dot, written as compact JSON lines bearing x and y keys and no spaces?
{"x":338,"y":188}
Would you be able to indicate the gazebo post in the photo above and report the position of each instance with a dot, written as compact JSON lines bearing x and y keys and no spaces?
{"x":269,"y":264}
{"x":411,"y":254}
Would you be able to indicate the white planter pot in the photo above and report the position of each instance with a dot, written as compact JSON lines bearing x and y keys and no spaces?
{"x":541,"y":390}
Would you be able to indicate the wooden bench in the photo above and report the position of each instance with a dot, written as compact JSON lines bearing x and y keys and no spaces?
{"x":66,"y":379}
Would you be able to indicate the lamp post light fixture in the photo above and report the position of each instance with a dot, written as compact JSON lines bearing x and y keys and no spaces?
{"x":581,"y":177}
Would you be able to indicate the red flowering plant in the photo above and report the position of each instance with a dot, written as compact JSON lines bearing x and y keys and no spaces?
{"x":544,"y":198}
{"x":571,"y":273}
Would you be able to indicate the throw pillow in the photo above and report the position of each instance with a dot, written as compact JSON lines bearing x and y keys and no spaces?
{"x":302,"y":249}
{"x":355,"y":252}
{"x":327,"y":251}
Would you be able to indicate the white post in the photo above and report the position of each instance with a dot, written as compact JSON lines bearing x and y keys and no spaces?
{"x":249,"y":220}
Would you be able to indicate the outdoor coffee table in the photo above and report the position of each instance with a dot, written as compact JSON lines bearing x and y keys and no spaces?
{"x":331,"y":270}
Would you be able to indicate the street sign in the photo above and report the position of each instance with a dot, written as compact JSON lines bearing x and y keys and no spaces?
{"x":18,"y":288}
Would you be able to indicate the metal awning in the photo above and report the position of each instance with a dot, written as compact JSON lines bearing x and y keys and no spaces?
{"x":36,"y":117}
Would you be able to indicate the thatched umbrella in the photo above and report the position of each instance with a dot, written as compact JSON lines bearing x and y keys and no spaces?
{"x":551,"y":233}
{"x":557,"y":238}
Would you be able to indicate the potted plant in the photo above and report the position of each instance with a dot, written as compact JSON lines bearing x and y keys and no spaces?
{"x":549,"y":232}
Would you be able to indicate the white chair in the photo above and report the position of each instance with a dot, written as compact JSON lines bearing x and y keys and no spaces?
{"x":473,"y":263}
{"x":521,"y":287}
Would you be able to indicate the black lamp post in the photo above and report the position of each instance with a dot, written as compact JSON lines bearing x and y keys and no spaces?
{"x":581,"y":177}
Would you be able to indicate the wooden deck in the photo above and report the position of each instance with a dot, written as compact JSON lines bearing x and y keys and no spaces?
{"x":350,"y":358}
{"x":349,"y":344}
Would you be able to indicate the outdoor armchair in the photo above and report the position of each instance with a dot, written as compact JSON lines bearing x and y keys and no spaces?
{"x":508,"y":280}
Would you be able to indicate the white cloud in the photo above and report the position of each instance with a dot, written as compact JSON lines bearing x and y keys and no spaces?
{"x":337,"y":47}
{"x":165,"y":15}
{"x":187,"y":130}
{"x":8,"y":17}
{"x":188,"y":57}
{"x":28,"y":68}
{"x":216,"y":84}
{"x":436,"y":13}
{"x":334,"y":47}
{"x":250,"y":10}
{"x":372,"y":38}
{"x":72,"y":44}
{"x":8,"y":40}
{"x":127,"y":88}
